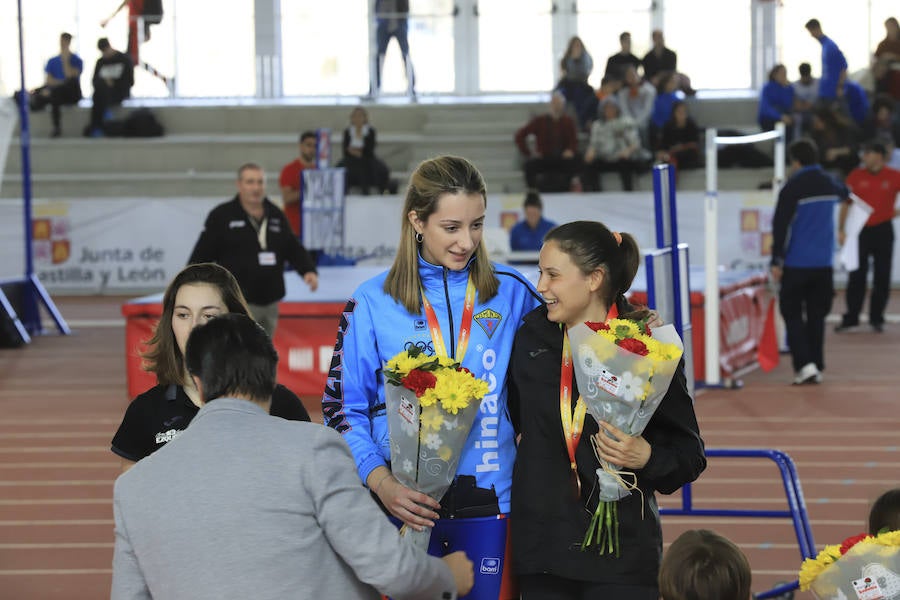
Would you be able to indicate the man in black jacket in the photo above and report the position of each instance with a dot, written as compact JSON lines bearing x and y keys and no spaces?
{"x":251,"y":237}
{"x":113,"y":78}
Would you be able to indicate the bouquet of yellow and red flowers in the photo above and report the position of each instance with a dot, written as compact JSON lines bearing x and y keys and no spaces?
{"x":863,"y":566}
{"x":431,"y":403}
{"x":623,"y":372}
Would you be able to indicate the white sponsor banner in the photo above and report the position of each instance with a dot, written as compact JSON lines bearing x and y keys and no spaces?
{"x":136,"y":245}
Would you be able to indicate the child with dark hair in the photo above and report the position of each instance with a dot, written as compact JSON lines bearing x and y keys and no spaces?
{"x":701,"y":565}
{"x":885,"y":513}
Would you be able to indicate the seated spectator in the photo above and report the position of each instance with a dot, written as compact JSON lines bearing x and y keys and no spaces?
{"x":364,"y":170}
{"x":636,"y":99}
{"x":608,"y":89}
{"x":885,"y":513}
{"x":575,"y":68}
{"x":618,"y":63}
{"x":836,"y":139}
{"x":240,"y":507}
{"x":289,"y":180}
{"x":667,"y":95}
{"x":701,"y":564}
{"x":113,"y":78}
{"x":886,"y":68}
{"x":776,"y":103}
{"x":806,"y":90}
{"x":855,"y":102}
{"x":62,"y":83}
{"x":615,"y":145}
{"x":680,"y":141}
{"x":660,"y":60}
{"x":528,"y":234}
{"x":882,"y":122}
{"x":549,"y":143}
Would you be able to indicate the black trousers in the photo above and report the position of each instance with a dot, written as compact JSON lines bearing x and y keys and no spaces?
{"x":64,"y":94}
{"x":104,"y":98}
{"x":551,"y":174}
{"x":551,"y":587}
{"x":875,"y":243}
{"x":805,"y":300}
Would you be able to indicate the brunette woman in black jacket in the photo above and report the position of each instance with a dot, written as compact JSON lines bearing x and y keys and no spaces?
{"x":585,"y":271}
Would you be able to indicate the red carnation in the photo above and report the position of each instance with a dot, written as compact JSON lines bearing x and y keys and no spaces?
{"x":852,"y":541}
{"x":597,"y":326}
{"x":464,"y":370}
{"x":419,"y":381}
{"x":634,"y":346}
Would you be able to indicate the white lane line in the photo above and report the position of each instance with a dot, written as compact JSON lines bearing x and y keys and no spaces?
{"x":56,"y":545}
{"x":57,"y":421}
{"x":30,"y":572}
{"x":55,"y":522}
{"x":793,"y":420}
{"x":55,"y":501}
{"x":87,"y":323}
{"x":819,"y":433}
{"x":23,"y":435}
{"x":87,"y":464}
{"x":49,"y":449}
{"x":57,"y":482}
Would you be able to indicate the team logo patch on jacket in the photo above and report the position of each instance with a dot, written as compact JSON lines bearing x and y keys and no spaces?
{"x":488,"y":320}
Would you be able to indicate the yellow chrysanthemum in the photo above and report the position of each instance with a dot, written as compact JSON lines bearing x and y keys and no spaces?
{"x":403,"y":363}
{"x":446,"y":361}
{"x":813,"y":567}
{"x":890,"y":538}
{"x":623,"y":328}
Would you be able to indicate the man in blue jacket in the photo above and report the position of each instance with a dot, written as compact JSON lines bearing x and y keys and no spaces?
{"x":803,"y":236}
{"x":834,"y":65}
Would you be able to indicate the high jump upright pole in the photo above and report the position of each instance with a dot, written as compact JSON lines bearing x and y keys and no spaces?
{"x":33,"y":289}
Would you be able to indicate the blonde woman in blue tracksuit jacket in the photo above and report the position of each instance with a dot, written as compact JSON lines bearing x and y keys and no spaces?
{"x":439,"y":254}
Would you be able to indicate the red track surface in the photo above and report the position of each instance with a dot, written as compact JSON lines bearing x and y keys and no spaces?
{"x":63,"y":397}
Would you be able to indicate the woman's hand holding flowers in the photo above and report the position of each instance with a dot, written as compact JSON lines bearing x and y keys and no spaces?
{"x":625,"y":451}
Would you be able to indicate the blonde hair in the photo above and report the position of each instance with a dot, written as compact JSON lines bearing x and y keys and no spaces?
{"x":431,"y":180}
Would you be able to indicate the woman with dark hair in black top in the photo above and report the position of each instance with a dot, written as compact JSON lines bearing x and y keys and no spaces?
{"x":200,"y":292}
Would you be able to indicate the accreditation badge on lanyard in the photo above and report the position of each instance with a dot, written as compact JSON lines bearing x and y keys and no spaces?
{"x":266,"y":259}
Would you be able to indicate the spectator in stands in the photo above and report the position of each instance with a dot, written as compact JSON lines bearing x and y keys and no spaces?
{"x":528,"y":234}
{"x":680,"y":141}
{"x":615,"y":145}
{"x":636,"y":99}
{"x":855,"y":102}
{"x":885,"y":513}
{"x":660,"y":60}
{"x":776,"y":102}
{"x":834,"y":65}
{"x":667,"y":95}
{"x":141,"y":15}
{"x":251,"y":237}
{"x":363,"y":169}
{"x":836,"y":140}
{"x":886,"y":68}
{"x":618,"y":63}
{"x":701,"y":564}
{"x":240,"y":506}
{"x":877,"y":185}
{"x":196,"y":295}
{"x":882,"y":123}
{"x":392,"y":21}
{"x":802,"y":256}
{"x":549,"y":143}
{"x":62,"y":83}
{"x":609,"y":87}
{"x":113,"y":78}
{"x":289,"y":180}
{"x":575,"y":68}
{"x":806,"y":90}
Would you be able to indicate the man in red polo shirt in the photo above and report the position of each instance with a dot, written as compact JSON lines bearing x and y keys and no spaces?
{"x":290,"y":178}
{"x":877,"y":185}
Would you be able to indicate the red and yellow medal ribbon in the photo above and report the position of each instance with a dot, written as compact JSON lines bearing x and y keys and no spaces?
{"x":572,"y":421}
{"x":465,"y":328}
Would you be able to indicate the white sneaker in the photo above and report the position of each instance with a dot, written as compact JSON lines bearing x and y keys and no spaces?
{"x":809,"y":373}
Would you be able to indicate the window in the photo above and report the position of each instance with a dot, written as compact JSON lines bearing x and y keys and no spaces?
{"x":515,"y":52}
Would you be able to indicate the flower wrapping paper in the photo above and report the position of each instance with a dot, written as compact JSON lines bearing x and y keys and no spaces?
{"x":865,"y":572}
{"x":618,"y":386}
{"x":426,"y":442}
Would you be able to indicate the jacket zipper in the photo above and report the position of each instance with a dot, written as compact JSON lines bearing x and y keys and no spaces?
{"x":449,"y":314}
